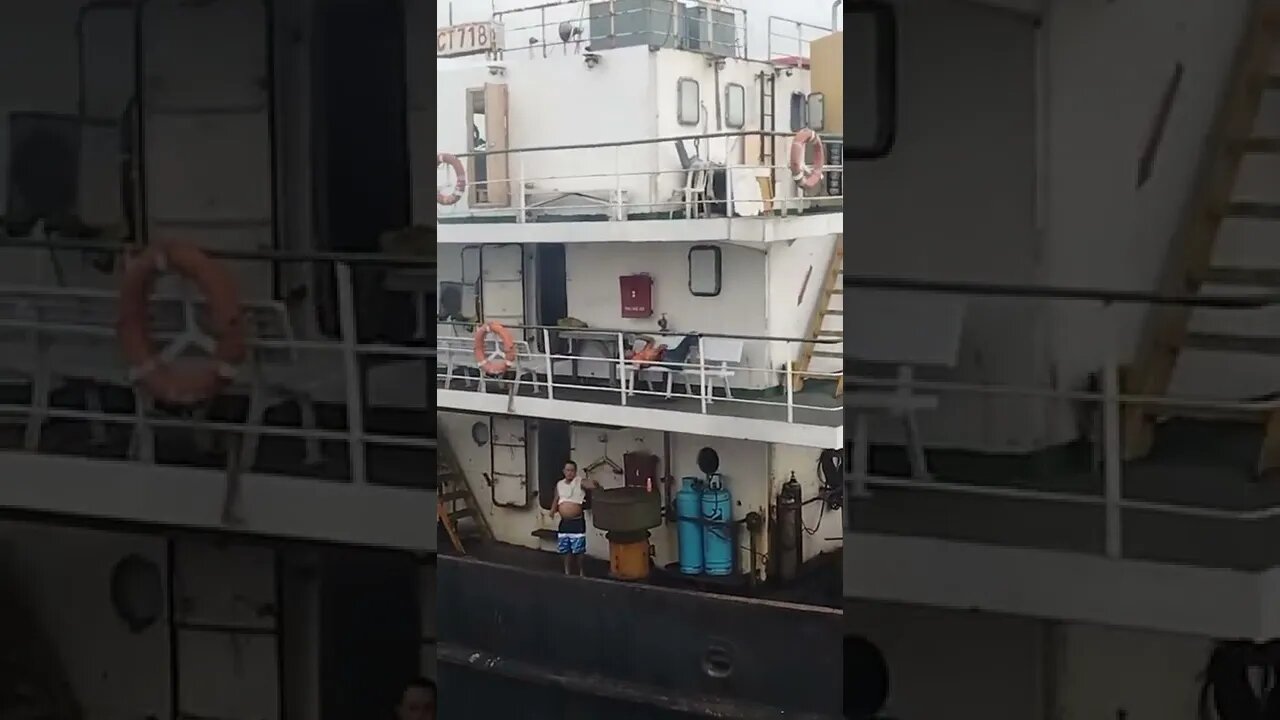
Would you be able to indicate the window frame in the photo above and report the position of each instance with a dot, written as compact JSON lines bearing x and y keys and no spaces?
{"x":697,"y":101}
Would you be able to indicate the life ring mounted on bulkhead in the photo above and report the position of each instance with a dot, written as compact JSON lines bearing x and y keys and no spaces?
{"x":807,"y":176}
{"x":459,"y":185}
{"x":164,"y":373}
{"x":499,"y":361}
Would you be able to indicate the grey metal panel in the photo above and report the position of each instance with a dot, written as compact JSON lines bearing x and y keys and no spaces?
{"x":209,"y":168}
{"x":206,"y":55}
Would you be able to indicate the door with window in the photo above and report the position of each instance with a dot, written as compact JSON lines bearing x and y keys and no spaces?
{"x":497,"y":274}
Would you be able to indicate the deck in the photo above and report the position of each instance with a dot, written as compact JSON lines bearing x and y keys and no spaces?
{"x":1197,"y":464}
{"x":282,"y":496}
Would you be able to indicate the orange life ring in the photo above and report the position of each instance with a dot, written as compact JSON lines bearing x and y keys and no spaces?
{"x":496,"y":363}
{"x":805,"y":176}
{"x":169,"y":379}
{"x":460,"y":186}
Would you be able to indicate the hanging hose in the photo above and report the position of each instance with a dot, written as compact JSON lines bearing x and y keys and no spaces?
{"x":1229,"y":693}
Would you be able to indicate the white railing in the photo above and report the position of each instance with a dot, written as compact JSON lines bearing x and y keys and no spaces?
{"x":1101,"y":482}
{"x":540,"y":183}
{"x":65,"y":337}
{"x":788,"y":39}
{"x":713,"y":370}
{"x":570,"y":27}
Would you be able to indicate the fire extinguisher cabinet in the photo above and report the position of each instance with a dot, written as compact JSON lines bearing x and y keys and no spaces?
{"x":637,"y":296}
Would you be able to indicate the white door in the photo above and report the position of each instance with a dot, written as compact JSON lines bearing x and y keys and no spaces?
{"x":207,"y":129}
{"x":501,"y":283}
{"x":510,"y":467}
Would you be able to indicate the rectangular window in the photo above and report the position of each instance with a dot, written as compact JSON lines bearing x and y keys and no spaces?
{"x":817,"y":111}
{"x":688,"y":103}
{"x":735,"y":106}
{"x":704,"y":270}
{"x":798,"y":107}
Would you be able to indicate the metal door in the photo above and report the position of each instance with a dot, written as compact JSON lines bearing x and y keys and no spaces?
{"x":206,"y":128}
{"x":509,"y":465}
{"x":497,"y":274}
{"x":225,"y":630}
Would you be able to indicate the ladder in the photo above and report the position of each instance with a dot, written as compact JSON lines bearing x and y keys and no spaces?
{"x":454,"y":499}
{"x":1188,"y":265}
{"x":769,"y":124}
{"x":828,"y":312}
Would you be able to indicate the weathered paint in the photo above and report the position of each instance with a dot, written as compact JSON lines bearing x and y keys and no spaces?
{"x":634,"y":650}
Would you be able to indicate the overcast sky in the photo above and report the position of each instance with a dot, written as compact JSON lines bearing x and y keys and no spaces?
{"x":816,"y":12}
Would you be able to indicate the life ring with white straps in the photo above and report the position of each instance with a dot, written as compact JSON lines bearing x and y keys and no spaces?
{"x":807,"y":176}
{"x":159,"y":372}
{"x":459,"y":185}
{"x":498,"y":361}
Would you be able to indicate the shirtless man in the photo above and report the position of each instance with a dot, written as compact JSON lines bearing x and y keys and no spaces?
{"x":571,"y":494}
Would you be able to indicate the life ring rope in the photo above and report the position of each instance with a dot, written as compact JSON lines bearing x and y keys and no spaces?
{"x":224,"y":340}
{"x":499,"y":360}
{"x":460,"y":183}
{"x":807,"y":176}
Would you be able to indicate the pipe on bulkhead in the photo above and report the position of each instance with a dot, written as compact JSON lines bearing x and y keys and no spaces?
{"x":835,"y":14}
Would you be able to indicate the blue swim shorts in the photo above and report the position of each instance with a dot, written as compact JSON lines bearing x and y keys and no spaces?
{"x":571,"y":543}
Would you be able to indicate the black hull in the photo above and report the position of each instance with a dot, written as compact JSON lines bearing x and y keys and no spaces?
{"x":521,"y":644}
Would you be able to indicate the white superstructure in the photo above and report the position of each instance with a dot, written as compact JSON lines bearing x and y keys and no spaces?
{"x":610,"y":147}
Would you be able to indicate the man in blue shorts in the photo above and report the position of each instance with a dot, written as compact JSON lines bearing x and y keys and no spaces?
{"x":571,"y":496}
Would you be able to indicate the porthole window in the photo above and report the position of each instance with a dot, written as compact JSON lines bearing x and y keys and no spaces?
{"x":735,"y":106}
{"x":688,"y":103}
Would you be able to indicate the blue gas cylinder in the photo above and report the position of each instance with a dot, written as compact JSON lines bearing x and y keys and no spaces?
{"x":717,"y":539}
{"x":688,"y":529}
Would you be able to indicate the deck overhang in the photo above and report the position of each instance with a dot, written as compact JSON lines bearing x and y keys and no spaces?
{"x":755,"y":230}
{"x":274,"y":506}
{"x":688,"y":423}
{"x":1063,"y":586}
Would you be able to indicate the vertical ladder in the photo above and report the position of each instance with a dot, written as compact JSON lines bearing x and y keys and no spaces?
{"x":1189,"y":262}
{"x":828,"y":312}
{"x":454,"y":499}
{"x":768,"y":123}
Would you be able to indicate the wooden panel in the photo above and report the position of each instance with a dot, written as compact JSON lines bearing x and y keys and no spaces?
{"x":826,"y":76}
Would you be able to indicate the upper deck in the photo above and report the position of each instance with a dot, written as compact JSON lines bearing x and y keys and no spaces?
{"x":629,"y":122}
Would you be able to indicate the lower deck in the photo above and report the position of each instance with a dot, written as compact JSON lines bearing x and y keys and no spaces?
{"x":299,"y":486}
{"x":1194,"y":500}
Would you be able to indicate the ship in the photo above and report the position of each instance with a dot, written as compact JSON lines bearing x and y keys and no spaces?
{"x":267,"y":551}
{"x":1077,"y":222}
{"x":639,"y":214}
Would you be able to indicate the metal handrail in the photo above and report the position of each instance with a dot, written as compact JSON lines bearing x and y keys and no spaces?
{"x":626,"y":372}
{"x":471,"y":324}
{"x":645,"y":141}
{"x":351,"y":350}
{"x":272,"y":256}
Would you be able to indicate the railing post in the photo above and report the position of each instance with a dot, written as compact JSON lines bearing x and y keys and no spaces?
{"x":1111,"y":458}
{"x":622,"y":366}
{"x":791,"y":388}
{"x":702,"y":374}
{"x":617,"y":182}
{"x":521,"y":211}
{"x":352,"y":366}
{"x":546,"y":350}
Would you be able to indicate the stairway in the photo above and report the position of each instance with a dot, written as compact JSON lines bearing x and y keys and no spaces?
{"x":827,"y":323}
{"x":1189,"y":265}
{"x":456,"y":507}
